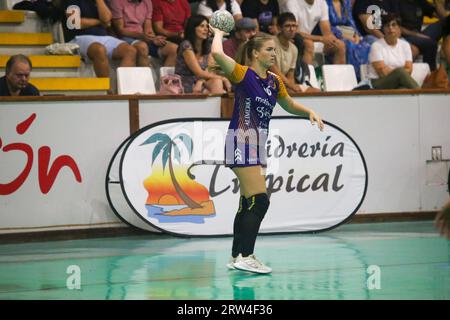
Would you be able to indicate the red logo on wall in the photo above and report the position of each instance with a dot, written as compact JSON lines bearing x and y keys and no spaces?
{"x":46,"y":176}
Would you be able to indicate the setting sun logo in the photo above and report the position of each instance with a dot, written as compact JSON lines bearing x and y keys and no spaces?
{"x":172,"y":195}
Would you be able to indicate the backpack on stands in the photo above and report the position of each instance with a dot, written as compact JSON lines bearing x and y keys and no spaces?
{"x":171,"y":84}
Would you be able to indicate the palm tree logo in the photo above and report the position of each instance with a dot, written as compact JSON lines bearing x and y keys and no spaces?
{"x":190,"y":197}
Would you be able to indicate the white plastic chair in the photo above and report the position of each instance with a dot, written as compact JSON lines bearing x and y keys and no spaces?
{"x":364,"y":71}
{"x":164,"y":71}
{"x":9,"y":4}
{"x":313,"y":77}
{"x":339,"y":77}
{"x":420,"y":71}
{"x":319,"y":56}
{"x":135,"y":80}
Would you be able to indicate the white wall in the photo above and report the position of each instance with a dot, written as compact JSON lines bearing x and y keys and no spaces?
{"x":87,"y":131}
{"x":152,"y":111}
{"x":395,"y":134}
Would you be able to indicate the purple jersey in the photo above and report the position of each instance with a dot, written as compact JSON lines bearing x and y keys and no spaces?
{"x":255,"y":98}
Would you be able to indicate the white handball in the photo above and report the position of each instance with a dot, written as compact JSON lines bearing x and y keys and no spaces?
{"x":222,"y":20}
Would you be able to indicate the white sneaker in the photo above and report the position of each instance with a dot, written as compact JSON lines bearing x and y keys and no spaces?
{"x":230,"y":264}
{"x":251,"y":264}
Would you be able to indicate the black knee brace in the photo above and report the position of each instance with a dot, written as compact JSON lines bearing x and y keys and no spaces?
{"x":251,"y":221}
{"x":237,"y":232}
{"x":259,"y":204}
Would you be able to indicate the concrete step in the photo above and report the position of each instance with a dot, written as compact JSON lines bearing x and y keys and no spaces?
{"x":27,"y":50}
{"x":25,"y":39}
{"x":56,"y":84}
{"x":48,"y":61}
{"x":12,"y":16}
{"x":31,"y":23}
{"x":53,"y":73}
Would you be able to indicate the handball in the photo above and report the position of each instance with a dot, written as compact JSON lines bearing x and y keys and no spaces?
{"x":222,"y":20}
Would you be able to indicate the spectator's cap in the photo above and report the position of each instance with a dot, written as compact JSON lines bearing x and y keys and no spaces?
{"x":245,"y":24}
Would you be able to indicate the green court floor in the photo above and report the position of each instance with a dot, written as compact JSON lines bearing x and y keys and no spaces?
{"x":402,"y":260}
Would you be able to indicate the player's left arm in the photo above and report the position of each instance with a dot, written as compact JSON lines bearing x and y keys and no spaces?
{"x":293,"y":107}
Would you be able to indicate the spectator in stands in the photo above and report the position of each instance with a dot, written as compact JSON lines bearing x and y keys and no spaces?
{"x":207,"y":7}
{"x":169,"y":17}
{"x":192,"y":60}
{"x":391,"y":58}
{"x":264,"y":12}
{"x":368,"y":21}
{"x":245,"y":29}
{"x":311,"y":14}
{"x":424,"y":41}
{"x":442,"y":220}
{"x":17,"y":74}
{"x":91,"y":35}
{"x":344,"y":28}
{"x":287,"y":53}
{"x":132,"y":20}
{"x":446,"y":45}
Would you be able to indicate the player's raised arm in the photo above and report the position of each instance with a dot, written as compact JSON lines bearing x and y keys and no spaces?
{"x":225,"y":62}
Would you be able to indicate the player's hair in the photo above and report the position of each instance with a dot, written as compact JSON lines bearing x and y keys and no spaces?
{"x":244,"y":55}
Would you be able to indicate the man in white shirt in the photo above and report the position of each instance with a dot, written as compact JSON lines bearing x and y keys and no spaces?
{"x":309,"y":14}
{"x":390,"y":58}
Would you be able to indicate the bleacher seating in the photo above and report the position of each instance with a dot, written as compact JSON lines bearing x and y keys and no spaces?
{"x":319,"y":56}
{"x":135,"y":80}
{"x":313,"y":77}
{"x":163,"y":71}
{"x":364,"y":71}
{"x":8,"y":4}
{"x":339,"y":77}
{"x":23,"y":32}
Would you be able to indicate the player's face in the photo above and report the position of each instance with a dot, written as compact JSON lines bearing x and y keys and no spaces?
{"x":19,"y":75}
{"x":202,"y":30}
{"x":266,"y":55}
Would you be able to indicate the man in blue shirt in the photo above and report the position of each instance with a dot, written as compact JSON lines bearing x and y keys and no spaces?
{"x":17,"y":74}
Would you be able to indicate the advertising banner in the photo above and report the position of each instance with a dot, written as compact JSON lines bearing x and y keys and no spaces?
{"x":172,"y":177}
